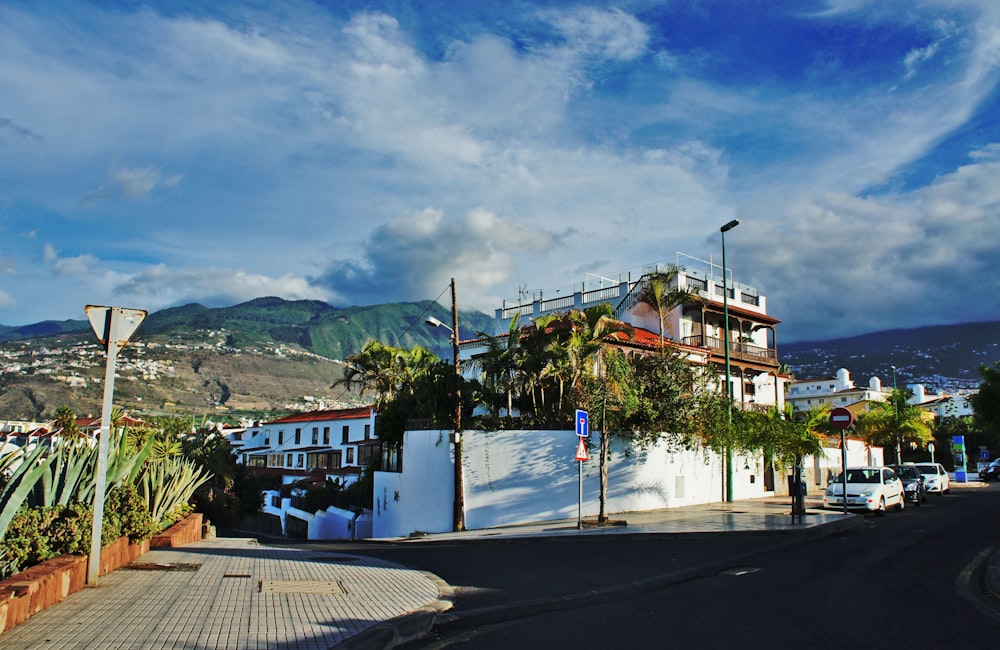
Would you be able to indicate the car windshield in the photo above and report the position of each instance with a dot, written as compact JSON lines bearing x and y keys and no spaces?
{"x":860,"y":476}
{"x":907,"y":471}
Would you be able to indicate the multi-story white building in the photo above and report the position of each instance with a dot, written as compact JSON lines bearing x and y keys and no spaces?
{"x":330,"y":444}
{"x":699,"y":326}
{"x":835,"y":391}
{"x":306,"y":450}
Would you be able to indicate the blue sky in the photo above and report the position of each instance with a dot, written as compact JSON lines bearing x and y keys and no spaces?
{"x":156,"y":154}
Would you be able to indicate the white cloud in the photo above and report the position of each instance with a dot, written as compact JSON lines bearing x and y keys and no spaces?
{"x":68,"y":266}
{"x":418,"y":255}
{"x":163,"y":286}
{"x":611,"y":34}
{"x":135,"y":184}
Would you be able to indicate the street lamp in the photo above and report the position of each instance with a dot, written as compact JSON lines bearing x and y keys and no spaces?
{"x":458,"y":515}
{"x":729,"y":390}
{"x":895,"y":417}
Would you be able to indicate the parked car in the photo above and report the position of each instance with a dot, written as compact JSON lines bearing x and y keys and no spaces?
{"x":935,"y":477}
{"x":991,"y":472}
{"x":913,"y":483}
{"x":872,"y":489}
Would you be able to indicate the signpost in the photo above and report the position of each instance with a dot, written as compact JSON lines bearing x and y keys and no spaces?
{"x":841,"y":418}
{"x":113,"y":326}
{"x":582,"y":430}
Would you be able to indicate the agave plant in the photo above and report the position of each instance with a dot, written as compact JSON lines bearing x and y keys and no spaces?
{"x":20,"y":470}
{"x":71,"y":475}
{"x":166,"y":483}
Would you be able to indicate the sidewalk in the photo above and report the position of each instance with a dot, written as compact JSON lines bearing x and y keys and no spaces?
{"x":235,"y":593}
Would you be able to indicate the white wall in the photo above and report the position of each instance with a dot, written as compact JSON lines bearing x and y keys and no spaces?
{"x":516,"y":477}
{"x":421,"y":497}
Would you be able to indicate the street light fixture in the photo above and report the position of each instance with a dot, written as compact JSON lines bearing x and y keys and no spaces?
{"x":895,"y":417}
{"x":458,"y":514}
{"x":729,"y":390}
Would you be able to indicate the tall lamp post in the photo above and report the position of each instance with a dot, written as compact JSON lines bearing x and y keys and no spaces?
{"x":458,"y":515}
{"x":895,"y":418}
{"x":729,"y":390}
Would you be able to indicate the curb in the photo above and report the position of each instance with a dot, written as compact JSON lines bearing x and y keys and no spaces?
{"x":408,"y":627}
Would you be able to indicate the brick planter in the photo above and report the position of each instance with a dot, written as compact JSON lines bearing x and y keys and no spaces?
{"x":25,"y":594}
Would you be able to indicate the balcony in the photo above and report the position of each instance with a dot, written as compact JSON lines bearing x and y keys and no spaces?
{"x":743,"y":351}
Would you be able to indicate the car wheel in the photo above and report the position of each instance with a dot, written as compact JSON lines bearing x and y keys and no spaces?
{"x":902,"y":503}
{"x":881,"y":506}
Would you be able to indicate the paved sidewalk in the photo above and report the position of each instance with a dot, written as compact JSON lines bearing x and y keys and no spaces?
{"x":234,"y":593}
{"x":237,"y":594}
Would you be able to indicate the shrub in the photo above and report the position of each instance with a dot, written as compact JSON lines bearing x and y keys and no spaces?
{"x":126,"y":508}
{"x":38,"y":534}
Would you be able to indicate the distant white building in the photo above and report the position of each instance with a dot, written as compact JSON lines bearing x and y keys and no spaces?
{"x":836,"y":391}
{"x":307,"y":450}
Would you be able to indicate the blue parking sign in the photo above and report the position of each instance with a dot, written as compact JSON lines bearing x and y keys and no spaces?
{"x":582,"y":423}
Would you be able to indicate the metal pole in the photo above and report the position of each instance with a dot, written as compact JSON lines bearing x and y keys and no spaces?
{"x":103,"y":442}
{"x":843,"y":467}
{"x":459,"y":513}
{"x":729,"y":391}
{"x":579,"y":507}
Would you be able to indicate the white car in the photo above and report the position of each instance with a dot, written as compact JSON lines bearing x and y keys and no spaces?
{"x":872,"y":489}
{"x":935,"y":477}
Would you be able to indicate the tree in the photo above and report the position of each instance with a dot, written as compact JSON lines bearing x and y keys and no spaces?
{"x":663,"y":295}
{"x":986,"y":402}
{"x":498,"y":366}
{"x":612,"y":398}
{"x":66,"y":422}
{"x":894,"y":423}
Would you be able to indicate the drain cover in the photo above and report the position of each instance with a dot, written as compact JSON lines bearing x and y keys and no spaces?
{"x":327,"y":587}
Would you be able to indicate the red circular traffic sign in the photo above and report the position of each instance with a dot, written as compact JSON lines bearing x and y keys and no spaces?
{"x":841,"y":418}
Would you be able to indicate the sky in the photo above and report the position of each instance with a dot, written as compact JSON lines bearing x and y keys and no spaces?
{"x":154,"y":154}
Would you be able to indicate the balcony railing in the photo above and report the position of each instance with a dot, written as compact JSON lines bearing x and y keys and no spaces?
{"x":746,"y":351}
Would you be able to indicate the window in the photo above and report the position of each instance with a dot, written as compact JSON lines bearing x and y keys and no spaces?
{"x":256,"y":461}
{"x":350,"y":455}
{"x":289,"y":459}
{"x":345,"y":434}
{"x":326,"y":435}
{"x":301,"y":460}
{"x":275,"y":460}
{"x":298,"y":436}
{"x":315,"y":438}
{"x":281,"y":437}
{"x":368,"y":431}
{"x":238,"y":435}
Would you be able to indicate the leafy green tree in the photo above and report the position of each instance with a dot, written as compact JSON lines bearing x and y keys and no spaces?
{"x":612,"y":398}
{"x":986,"y":402}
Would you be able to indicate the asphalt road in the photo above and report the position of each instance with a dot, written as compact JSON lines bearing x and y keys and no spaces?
{"x":910,"y":579}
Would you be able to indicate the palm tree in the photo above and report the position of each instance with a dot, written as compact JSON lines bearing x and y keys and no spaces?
{"x":375,"y":368}
{"x":895,"y":422}
{"x":498,"y":366}
{"x":66,"y":424}
{"x":661,"y":292}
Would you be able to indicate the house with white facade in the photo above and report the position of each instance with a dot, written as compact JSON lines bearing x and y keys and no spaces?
{"x":306,"y":450}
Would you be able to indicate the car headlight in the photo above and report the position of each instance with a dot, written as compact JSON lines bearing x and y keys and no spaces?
{"x":869,"y":492}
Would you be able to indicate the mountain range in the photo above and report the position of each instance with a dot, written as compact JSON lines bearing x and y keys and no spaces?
{"x":273,"y":355}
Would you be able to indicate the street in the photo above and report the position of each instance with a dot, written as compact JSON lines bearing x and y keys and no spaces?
{"x":905,"y":579}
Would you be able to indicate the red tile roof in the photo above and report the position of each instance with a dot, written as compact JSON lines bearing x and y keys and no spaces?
{"x":328,"y":414}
